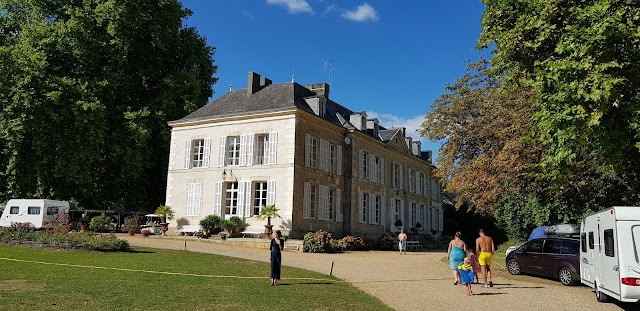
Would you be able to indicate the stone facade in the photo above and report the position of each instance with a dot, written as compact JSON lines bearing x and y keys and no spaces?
{"x":324,"y":166}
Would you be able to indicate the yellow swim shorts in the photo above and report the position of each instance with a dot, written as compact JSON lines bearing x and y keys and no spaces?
{"x":485,"y":258}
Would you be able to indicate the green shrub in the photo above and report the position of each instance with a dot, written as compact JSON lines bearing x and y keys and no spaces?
{"x":387,"y":242}
{"x":236,"y":221}
{"x":210,"y":221}
{"x":100,"y":223}
{"x":320,"y":242}
{"x":62,"y":239}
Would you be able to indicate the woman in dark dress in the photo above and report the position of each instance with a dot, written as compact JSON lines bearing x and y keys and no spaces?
{"x":276,"y":247}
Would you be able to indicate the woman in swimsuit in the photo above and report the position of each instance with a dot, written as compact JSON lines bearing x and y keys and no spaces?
{"x":456,"y":254}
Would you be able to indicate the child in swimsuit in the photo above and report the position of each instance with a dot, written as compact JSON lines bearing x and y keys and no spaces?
{"x":466,"y":274}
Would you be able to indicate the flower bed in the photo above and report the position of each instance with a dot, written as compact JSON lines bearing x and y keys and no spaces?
{"x":61,"y":238}
{"x":323,"y":242}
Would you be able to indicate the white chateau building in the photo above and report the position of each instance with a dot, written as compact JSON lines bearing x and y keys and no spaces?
{"x":323,"y":165}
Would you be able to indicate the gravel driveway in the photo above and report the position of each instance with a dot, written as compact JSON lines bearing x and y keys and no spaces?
{"x":416,"y":281}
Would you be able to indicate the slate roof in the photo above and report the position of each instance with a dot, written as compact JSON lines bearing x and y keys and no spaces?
{"x":386,"y":135}
{"x":271,"y":98}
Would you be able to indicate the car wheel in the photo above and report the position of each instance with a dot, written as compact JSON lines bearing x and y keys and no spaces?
{"x":566,"y":276}
{"x":600,"y":296}
{"x":514,"y":267}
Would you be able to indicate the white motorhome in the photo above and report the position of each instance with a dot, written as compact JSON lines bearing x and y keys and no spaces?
{"x":40,"y":213}
{"x":610,"y":253}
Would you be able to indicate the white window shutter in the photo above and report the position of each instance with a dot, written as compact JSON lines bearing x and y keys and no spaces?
{"x":361,"y":160}
{"x":371,"y":170}
{"x":382,"y":171}
{"x":241,"y":198}
{"x":392,"y":213}
{"x":338,"y":208}
{"x":250,"y":139}
{"x":361,"y":210}
{"x":411,"y":179}
{"x":401,"y":175}
{"x":243,"y":150}
{"x":198,"y":199}
{"x":339,"y":159}
{"x":404,"y":224}
{"x":417,"y":182}
{"x":306,"y":212}
{"x":383,"y":210}
{"x":324,"y":206}
{"x":207,"y":152}
{"x":307,"y":150}
{"x":372,"y":209}
{"x":189,"y":198}
{"x":273,"y":147}
{"x":321,"y":155}
{"x":394,"y":174}
{"x":271,"y":192}
{"x":217,"y":200}
{"x":247,"y":200}
{"x":440,"y":219}
{"x":222,"y":150}
{"x":187,"y":154}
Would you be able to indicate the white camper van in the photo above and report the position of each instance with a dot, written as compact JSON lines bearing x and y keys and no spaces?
{"x":40,"y":213}
{"x":610,"y":253}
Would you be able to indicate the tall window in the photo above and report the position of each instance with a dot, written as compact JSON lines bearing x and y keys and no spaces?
{"x":412,"y":186}
{"x":396,"y":210}
{"x":376,"y":211}
{"x":414,"y":215}
{"x":397,"y":175}
{"x":332,"y":200}
{"x":262,"y":148}
{"x":194,"y":199}
{"x":314,"y":152}
{"x":259,"y":196}
{"x":197,"y":147}
{"x":364,"y":208}
{"x":231,"y":207}
{"x":332,"y":159}
{"x":233,"y":150}
{"x":313,"y":203}
{"x":364,"y":165}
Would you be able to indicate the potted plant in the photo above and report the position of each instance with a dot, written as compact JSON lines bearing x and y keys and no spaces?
{"x":227,"y":226}
{"x":236,"y":222}
{"x":267,"y":212}
{"x":398,"y":224}
{"x":166,"y":213}
{"x":208,"y":223}
{"x":130,"y":225}
{"x":418,"y":227}
{"x":223,"y":235}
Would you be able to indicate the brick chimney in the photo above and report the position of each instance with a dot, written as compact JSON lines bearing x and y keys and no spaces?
{"x":254,"y":83}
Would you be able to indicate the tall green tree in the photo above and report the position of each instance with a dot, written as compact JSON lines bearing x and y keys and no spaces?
{"x":86,"y":89}
{"x":583,"y":60}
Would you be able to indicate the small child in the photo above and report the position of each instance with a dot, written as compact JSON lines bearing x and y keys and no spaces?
{"x":475,"y":264}
{"x":466,"y":274}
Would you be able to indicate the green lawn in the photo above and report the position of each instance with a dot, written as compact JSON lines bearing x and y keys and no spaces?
{"x":34,"y":286}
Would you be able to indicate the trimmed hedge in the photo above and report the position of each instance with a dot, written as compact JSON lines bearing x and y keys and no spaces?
{"x":323,"y":242}
{"x":60,"y":238}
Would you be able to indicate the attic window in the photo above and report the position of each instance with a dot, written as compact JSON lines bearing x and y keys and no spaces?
{"x":321,"y":109}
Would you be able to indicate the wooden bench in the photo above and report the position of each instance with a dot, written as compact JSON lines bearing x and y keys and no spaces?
{"x":188,"y":229}
{"x":414,"y":245}
{"x":253,"y":230}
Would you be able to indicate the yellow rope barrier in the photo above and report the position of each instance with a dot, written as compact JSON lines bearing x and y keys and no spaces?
{"x":214,"y":276}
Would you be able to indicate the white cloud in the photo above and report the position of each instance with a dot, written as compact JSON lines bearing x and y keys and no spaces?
{"x":363,"y":13}
{"x":293,"y":6}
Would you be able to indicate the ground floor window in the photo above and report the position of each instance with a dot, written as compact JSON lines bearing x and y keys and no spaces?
{"x":231,"y":206}
{"x":259,"y":196}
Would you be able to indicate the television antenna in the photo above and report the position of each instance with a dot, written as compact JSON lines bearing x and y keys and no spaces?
{"x":327,"y":67}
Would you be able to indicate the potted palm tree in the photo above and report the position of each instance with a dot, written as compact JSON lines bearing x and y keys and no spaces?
{"x":166,"y":213}
{"x":208,"y":223}
{"x":267,"y":212}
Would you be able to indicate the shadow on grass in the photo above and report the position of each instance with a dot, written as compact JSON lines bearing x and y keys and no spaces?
{"x":306,"y":283}
{"x":139,"y":251}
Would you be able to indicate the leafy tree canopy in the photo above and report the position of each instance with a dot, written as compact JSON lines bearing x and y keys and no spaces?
{"x":86,"y":89}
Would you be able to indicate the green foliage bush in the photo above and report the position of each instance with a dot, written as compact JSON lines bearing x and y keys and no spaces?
{"x":323,"y":242}
{"x":210,"y":221}
{"x":502,"y":248}
{"x":62,"y":239}
{"x":100,"y":223}
{"x":320,"y":242}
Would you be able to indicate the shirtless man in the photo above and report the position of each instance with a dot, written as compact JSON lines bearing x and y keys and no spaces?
{"x":485,"y":250}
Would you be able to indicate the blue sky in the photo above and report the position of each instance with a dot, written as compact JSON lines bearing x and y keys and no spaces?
{"x":388,"y":58}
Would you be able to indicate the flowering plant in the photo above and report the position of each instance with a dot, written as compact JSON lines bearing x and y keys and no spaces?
{"x":130,"y":223}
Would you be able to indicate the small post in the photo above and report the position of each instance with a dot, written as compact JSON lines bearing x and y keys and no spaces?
{"x":185,"y":244}
{"x":331,"y":272}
